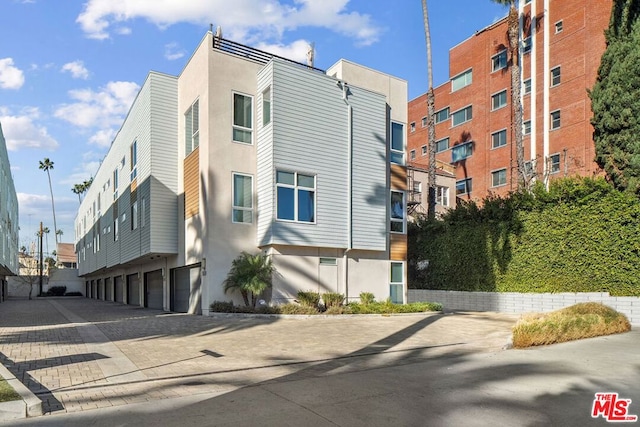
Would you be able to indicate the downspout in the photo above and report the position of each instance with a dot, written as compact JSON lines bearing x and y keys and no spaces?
{"x":546,"y":108}
{"x":345,"y":269}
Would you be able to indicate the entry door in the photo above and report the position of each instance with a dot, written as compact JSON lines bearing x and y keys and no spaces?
{"x":154,"y":295}
{"x":133,"y":289}
{"x":118,"y":288}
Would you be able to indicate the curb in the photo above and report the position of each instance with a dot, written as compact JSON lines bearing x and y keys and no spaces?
{"x":29,"y":406}
{"x":313,"y":316}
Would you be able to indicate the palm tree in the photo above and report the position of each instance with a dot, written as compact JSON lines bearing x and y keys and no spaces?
{"x":251,"y":275}
{"x":46,"y":165}
{"x":513,"y":34}
{"x":78,"y":189}
{"x":431,"y":127}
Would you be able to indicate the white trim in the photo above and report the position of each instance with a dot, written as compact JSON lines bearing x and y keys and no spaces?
{"x":241,"y":208}
{"x":242,"y":128}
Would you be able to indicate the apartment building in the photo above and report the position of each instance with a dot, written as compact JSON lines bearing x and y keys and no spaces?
{"x":248,"y":151}
{"x":8,"y":220}
{"x":561,"y":46}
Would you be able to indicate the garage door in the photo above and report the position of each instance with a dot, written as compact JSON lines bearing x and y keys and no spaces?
{"x":117,"y":288}
{"x":153,"y":290}
{"x":133,"y":289}
{"x":94,"y":289}
{"x":185,"y":290}
{"x":100,"y":289}
{"x":108,"y":289}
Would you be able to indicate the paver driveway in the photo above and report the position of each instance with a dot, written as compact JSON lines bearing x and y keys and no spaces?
{"x":78,"y":354}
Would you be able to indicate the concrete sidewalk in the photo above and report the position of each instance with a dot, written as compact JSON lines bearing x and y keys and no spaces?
{"x":443,"y":369}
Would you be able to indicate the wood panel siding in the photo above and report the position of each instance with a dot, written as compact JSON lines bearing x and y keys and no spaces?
{"x":398,"y":247}
{"x":192,"y":184}
{"x":398,"y":177}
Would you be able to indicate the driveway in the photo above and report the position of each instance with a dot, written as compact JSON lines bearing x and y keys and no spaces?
{"x":114,"y":364}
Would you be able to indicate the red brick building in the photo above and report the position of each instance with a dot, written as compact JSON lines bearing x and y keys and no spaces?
{"x":561,"y":45}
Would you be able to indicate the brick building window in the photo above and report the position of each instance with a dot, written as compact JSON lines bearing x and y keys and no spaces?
{"x":526,"y":127}
{"x":499,"y":177}
{"x":442,"y":145}
{"x":424,"y":150}
{"x":558,"y":27}
{"x":499,"y":139}
{"x":554,"y":163}
{"x":499,"y":100}
{"x":462,"y":116}
{"x":527,"y":87}
{"x":499,"y":61}
{"x":461,"y":151}
{"x":461,"y":80}
{"x":555,"y":76}
{"x":442,"y":115}
{"x":555,"y":119}
{"x":463,"y":186}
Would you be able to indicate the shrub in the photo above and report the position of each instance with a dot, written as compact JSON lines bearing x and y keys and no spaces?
{"x":297,"y":309}
{"x":367,"y":298}
{"x":338,"y":309}
{"x":222,"y":307}
{"x":73,"y":294}
{"x":309,"y":298}
{"x":388,"y":307}
{"x":332,"y":299}
{"x":578,"y":321}
{"x":57,"y":291}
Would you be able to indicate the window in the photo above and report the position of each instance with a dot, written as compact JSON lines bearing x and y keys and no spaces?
{"x":423,"y":150}
{"x":462,"y":116}
{"x":116,"y":232}
{"x":396,"y":283}
{"x":527,"y":86}
{"x":417,"y":187}
{"x":499,"y":177}
{"x":442,"y":115}
{"x":526,"y":45}
{"x":463,"y":186}
{"x":442,"y":196}
{"x":442,"y":145}
{"x":115,"y":184}
{"x":424,"y":122}
{"x":461,"y":80}
{"x":134,"y":161}
{"x":143,"y":213}
{"x":242,"y":209}
{"x":528,"y":168}
{"x":558,"y":27}
{"x":412,"y":126}
{"x":499,"y":139}
{"x":412,"y":154}
{"x":555,"y":119}
{"x":397,"y":212}
{"x":555,"y":76}
{"x":397,"y":143}
{"x":134,"y":215}
{"x":499,"y":100}
{"x":461,"y":151}
{"x":328,"y":261}
{"x":526,"y":127}
{"x":295,"y":196}
{"x":499,"y":61}
{"x":554,"y":163}
{"x":192,"y":128}
{"x":242,"y":118}
{"x":266,"y":106}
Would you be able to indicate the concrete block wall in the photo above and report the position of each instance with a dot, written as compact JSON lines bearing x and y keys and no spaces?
{"x":512,"y":302}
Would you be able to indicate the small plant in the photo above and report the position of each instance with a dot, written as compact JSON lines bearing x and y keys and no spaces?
{"x":309,"y":298}
{"x":297,"y":309}
{"x":332,"y":299}
{"x":222,"y":307}
{"x":338,"y":309}
{"x":251,"y":275}
{"x":57,"y":291}
{"x":388,"y":307}
{"x":367,"y":298}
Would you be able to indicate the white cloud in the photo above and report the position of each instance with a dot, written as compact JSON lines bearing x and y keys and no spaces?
{"x":21,"y":131}
{"x":100,"y":110}
{"x":81,"y":173}
{"x":77,"y":70}
{"x":296,"y":51}
{"x":11,"y":77}
{"x":172,"y":51}
{"x":247,"y":21}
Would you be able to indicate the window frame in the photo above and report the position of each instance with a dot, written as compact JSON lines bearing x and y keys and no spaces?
{"x":498,"y":132}
{"x":527,"y":45}
{"x":442,"y":194}
{"x":191,"y":135}
{"x":438,"y":143}
{"x":552,"y":163}
{"x":241,"y":128}
{"x":466,"y":146}
{"x":526,"y":124}
{"x":116,"y":178}
{"x":468,"y":186}
{"x":238,"y":208}
{"x":498,"y":96}
{"x":296,"y":188}
{"x":395,"y":284}
{"x":394,"y":151}
{"x":424,"y":150}
{"x":266,"y":105}
{"x":134,"y":215}
{"x":412,"y":127}
{"x":467,"y":118}
{"x":395,"y":220}
{"x":497,"y":63}
{"x":498,"y":173}
{"x":424,"y":122}
{"x":555,"y":78}
{"x":555,"y":120}
{"x":559,"y":26}
{"x":412,"y":155}
{"x":526,"y":83}
{"x":438,"y":113}
{"x":133,"y":161}
{"x":467,"y":81}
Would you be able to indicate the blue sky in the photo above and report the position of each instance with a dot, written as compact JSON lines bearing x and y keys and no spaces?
{"x":69,"y":69}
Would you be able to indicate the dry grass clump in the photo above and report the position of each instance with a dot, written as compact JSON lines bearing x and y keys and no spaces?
{"x":7,"y":393}
{"x":584,"y":320}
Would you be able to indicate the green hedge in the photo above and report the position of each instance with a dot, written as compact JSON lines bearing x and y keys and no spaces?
{"x":580,"y":236}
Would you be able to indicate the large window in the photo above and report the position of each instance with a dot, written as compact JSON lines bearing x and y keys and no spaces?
{"x":461,"y":80}
{"x":462,"y":116}
{"x":397,"y":143}
{"x":499,"y":139}
{"x":499,"y":177}
{"x":463,"y":186}
{"x":296,"y":195}
{"x":442,"y":115}
{"x":397,"y":212}
{"x":499,"y":100}
{"x":242,"y":209}
{"x":266,"y":106}
{"x":442,"y":145}
{"x":461,"y":151}
{"x":396,"y":283}
{"x":192,"y":128}
{"x":242,"y":118}
{"x":134,"y":160}
{"x":499,"y":61}
{"x":442,"y":196}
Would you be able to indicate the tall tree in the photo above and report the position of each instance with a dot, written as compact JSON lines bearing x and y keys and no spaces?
{"x":431,"y":126}
{"x":513,"y":35}
{"x":78,"y":189}
{"x":615,"y":99}
{"x":47,"y":165}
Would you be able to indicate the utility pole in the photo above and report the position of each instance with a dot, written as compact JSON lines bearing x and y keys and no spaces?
{"x":40,"y":236}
